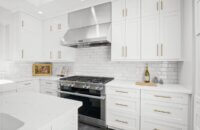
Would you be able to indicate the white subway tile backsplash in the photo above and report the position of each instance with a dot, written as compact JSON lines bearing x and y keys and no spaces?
{"x":96,"y":61}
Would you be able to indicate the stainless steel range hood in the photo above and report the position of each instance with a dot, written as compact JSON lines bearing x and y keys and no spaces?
{"x":89,"y":27}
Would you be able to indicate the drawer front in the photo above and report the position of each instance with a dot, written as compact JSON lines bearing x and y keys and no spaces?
{"x":48,"y":91}
{"x":168,"y":112}
{"x":117,"y":121}
{"x":129,"y":106}
{"x":9,"y":87}
{"x":25,"y":84}
{"x":155,"y":125}
{"x":197,"y":114}
{"x":165,"y":97}
{"x":123,"y":92}
{"x":49,"y":84}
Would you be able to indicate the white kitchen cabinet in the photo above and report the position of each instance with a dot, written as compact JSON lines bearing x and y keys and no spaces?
{"x":122,"y":108}
{"x":54,"y":30}
{"x":118,"y":39}
{"x":28,"y":86}
{"x":161,"y":30}
{"x":163,"y":107}
{"x":150,"y":38}
{"x":8,"y":89}
{"x":125,"y":30}
{"x":197,"y":114}
{"x":27,"y":37}
{"x":49,"y":87}
{"x":148,"y":124}
{"x":118,"y":10}
{"x":197,"y":17}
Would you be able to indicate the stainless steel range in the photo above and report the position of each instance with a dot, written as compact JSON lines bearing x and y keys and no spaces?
{"x":89,"y":90}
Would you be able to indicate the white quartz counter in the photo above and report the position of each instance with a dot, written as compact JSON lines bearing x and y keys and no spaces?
{"x":36,"y":110}
{"x":54,"y":78}
{"x":176,"y":88}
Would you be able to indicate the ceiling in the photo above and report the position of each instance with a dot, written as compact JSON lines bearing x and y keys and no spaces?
{"x":49,"y":8}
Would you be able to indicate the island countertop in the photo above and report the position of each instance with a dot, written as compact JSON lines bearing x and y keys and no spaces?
{"x":36,"y":110}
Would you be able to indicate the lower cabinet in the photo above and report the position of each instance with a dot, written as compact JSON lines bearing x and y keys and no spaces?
{"x":197,"y":114}
{"x":65,"y":122}
{"x":149,"y":124}
{"x":138,"y":109}
{"x":122,"y":109}
{"x":49,"y":87}
{"x":28,"y":86}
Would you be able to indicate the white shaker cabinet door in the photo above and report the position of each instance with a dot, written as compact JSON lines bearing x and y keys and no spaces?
{"x":118,"y":40}
{"x":197,"y":14}
{"x":132,"y":48}
{"x":149,"y":8}
{"x":150,"y":38}
{"x":118,"y":10}
{"x":170,"y":38}
{"x":170,"y":6}
{"x":132,"y":10}
{"x":170,"y":29}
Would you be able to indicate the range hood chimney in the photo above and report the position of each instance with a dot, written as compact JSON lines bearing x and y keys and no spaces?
{"x":89,"y":27}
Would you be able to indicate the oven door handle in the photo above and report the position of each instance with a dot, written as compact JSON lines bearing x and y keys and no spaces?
{"x":82,"y":95}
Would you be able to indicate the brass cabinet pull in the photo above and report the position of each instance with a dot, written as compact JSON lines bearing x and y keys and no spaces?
{"x":123,"y":13}
{"x":27,"y":84}
{"x":123,"y":55}
{"x":121,"y":91}
{"x":22,"y":23}
{"x":48,"y":83}
{"x":50,"y":28}
{"x":22,"y":54}
{"x":157,"y":50}
{"x":162,"y":96}
{"x":119,"y":104}
{"x":161,"y":49}
{"x":50,"y":55}
{"x":161,"y":4}
{"x":126,"y":51}
{"x":157,"y":6}
{"x":126,"y":12}
{"x":165,"y":112}
{"x":59,"y":55}
{"x":124,"y":122}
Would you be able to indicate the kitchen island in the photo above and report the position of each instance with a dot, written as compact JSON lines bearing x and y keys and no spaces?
{"x":34,"y":111}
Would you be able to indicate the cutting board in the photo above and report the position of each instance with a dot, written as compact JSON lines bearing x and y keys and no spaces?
{"x":146,"y":84}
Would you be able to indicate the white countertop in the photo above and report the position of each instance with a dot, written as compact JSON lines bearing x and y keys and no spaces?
{"x":176,"y":88}
{"x":36,"y":110}
{"x":55,"y":78}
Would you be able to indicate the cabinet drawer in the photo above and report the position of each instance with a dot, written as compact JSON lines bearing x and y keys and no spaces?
{"x":165,"y":97}
{"x":169,"y":112}
{"x":49,"y":84}
{"x":119,"y":121}
{"x":156,"y":125}
{"x":25,"y":84}
{"x":129,"y":106}
{"x":49,"y":91}
{"x":197,"y":114}
{"x":123,"y":92}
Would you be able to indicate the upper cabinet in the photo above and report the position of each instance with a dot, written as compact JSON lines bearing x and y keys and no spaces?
{"x":125,"y":30}
{"x":146,"y":30}
{"x":197,"y":17}
{"x":54,"y":30}
{"x":161,"y":30}
{"x":27,"y":37}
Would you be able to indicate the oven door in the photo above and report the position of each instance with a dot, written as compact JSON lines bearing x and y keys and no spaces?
{"x":93,"y":109}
